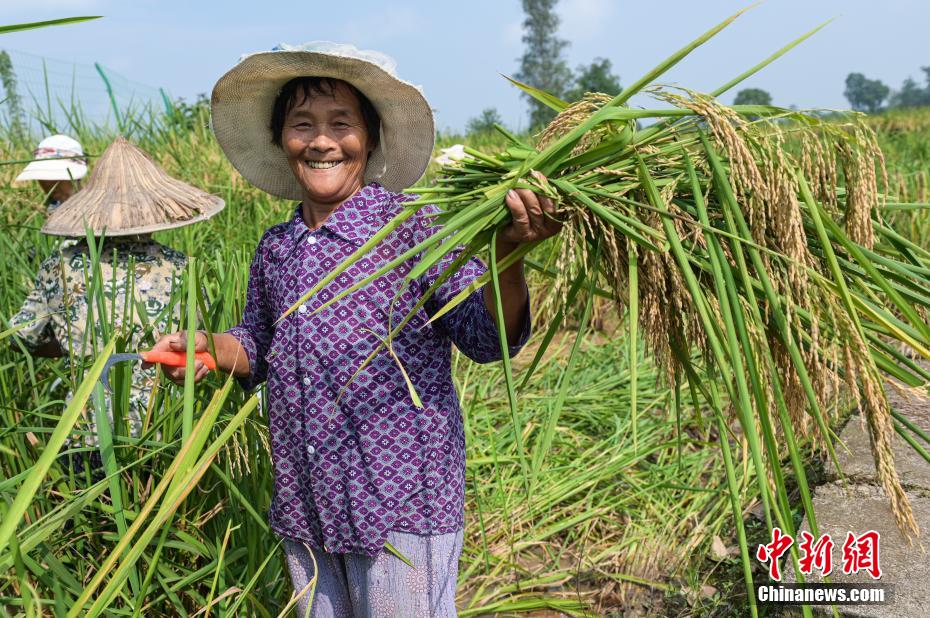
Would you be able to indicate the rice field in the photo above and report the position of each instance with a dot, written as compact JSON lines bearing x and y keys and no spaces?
{"x":905,"y":139}
{"x":619,"y":494}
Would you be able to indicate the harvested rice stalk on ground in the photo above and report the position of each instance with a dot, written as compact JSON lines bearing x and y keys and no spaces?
{"x":749,"y":240}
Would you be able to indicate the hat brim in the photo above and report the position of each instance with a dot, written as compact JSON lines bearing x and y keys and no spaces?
{"x":52,"y":169}
{"x":78,"y":229}
{"x":242,"y":102}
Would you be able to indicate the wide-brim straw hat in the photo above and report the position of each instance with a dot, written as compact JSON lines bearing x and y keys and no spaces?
{"x":242,"y":103}
{"x":129,"y":194}
{"x":57,"y":158}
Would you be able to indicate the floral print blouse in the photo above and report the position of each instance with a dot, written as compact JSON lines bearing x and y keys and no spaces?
{"x":57,"y":308}
{"x":353,"y":456}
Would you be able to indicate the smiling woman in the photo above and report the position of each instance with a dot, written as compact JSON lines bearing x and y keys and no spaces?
{"x":367,"y":434}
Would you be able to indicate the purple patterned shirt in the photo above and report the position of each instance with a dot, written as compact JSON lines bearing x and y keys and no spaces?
{"x":349,"y":469}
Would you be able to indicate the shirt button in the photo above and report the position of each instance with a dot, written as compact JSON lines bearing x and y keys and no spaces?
{"x":302,"y":309}
{"x":310,"y":450}
{"x":311,"y":240}
{"x":307,"y":381}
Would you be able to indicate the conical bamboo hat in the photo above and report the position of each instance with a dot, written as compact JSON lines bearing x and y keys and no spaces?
{"x":129,"y":194}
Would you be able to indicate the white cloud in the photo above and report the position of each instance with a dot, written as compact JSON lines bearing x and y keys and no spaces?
{"x":583,"y":19}
{"x":512,"y":34}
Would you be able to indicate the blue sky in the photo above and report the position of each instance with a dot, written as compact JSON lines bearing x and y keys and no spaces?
{"x":457,"y":50}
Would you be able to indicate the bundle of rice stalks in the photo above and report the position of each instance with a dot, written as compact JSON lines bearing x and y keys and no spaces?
{"x":745,"y":239}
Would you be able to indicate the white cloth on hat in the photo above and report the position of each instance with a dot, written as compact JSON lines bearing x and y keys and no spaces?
{"x":455,"y":152}
{"x":57,"y":157}
{"x":346,"y":50}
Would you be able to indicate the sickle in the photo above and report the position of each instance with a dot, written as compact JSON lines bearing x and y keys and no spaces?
{"x":171,"y":359}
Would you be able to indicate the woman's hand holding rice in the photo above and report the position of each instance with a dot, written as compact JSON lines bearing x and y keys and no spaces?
{"x":534,"y":219}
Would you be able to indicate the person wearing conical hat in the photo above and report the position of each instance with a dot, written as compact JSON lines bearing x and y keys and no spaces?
{"x":58,"y":164}
{"x":357,"y":462}
{"x":127,"y":198}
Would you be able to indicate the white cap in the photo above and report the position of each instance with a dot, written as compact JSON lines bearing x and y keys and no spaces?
{"x":55,"y":160}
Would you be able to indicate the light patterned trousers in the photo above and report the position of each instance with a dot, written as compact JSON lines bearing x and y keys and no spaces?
{"x":356,"y":586}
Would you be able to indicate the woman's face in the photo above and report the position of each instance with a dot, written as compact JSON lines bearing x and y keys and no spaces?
{"x":327,"y":145}
{"x":57,"y":190}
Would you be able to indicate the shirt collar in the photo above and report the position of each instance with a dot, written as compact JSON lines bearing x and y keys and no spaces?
{"x":356,"y":220}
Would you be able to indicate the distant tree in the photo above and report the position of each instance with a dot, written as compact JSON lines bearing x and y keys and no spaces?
{"x":8,"y":79}
{"x":752,"y":96}
{"x":865,"y":95}
{"x":596,"y":77}
{"x":912,"y":95}
{"x":484,"y":122}
{"x":542,"y":65}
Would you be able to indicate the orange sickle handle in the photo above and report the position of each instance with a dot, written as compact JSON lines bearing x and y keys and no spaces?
{"x":177,"y":359}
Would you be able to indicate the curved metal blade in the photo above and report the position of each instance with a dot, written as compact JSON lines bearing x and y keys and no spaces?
{"x":115,"y":358}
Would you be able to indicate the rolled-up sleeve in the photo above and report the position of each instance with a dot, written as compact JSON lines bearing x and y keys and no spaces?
{"x":470,"y":325}
{"x":255,"y":330}
{"x":35,"y":314}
